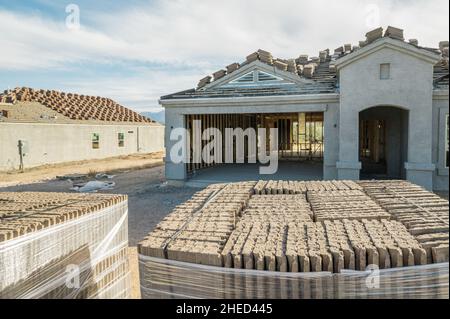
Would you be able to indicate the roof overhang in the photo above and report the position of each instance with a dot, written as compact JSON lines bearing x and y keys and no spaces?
{"x":254,"y":100}
{"x":389,"y":43}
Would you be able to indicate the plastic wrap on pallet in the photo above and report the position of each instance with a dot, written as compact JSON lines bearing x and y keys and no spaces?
{"x":163,"y":278}
{"x":85,"y":257}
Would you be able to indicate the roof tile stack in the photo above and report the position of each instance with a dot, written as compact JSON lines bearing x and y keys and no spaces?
{"x":280,"y":65}
{"x":205,"y":81}
{"x":75,"y":106}
{"x":394,"y":33}
{"x":312,"y":226}
{"x":265,"y":56}
{"x":232,"y":67}
{"x":43,"y":234}
{"x":374,"y":35}
{"x":321,"y":69}
{"x":219,"y":74}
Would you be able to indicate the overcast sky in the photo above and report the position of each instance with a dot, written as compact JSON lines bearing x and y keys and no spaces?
{"x":135,"y":51}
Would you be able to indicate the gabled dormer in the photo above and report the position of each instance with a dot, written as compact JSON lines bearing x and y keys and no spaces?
{"x":257,"y":74}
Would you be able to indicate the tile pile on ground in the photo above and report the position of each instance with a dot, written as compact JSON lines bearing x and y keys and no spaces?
{"x":290,"y":226}
{"x":43,"y":235}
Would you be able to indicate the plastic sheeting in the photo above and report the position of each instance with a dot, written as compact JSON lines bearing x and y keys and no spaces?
{"x":162,"y":278}
{"x":85,"y":257}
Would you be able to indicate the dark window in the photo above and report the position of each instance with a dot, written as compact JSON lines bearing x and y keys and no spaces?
{"x":121,"y":139}
{"x":95,"y":140}
{"x":446,"y":143}
{"x":385,"y":71}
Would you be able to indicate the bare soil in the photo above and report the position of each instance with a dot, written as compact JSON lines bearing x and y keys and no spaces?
{"x":49,"y":172}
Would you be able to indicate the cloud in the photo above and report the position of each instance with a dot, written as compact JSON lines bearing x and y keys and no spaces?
{"x":186,"y":32}
{"x":177,"y":42}
{"x":139,"y":92}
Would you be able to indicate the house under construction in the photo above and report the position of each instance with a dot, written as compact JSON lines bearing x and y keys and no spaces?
{"x":375,"y":110}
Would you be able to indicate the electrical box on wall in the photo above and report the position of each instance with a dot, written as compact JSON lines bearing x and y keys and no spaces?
{"x":23,"y":147}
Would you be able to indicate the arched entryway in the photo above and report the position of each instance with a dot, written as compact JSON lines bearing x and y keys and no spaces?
{"x":383,"y":142}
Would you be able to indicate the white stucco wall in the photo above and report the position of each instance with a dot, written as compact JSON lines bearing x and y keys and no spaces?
{"x":57,"y":143}
{"x":409,"y":87}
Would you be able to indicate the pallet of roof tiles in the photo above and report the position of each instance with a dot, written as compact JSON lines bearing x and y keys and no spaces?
{"x":214,"y":216}
{"x":169,"y":279}
{"x":425,"y":215}
{"x":269,"y":227}
{"x":85,"y":238}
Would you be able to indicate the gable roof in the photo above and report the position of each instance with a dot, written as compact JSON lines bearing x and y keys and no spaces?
{"x":75,"y":106}
{"x":387,"y":42}
{"x":314,"y":75}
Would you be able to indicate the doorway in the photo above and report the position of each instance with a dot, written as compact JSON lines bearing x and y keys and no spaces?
{"x":383,"y":142}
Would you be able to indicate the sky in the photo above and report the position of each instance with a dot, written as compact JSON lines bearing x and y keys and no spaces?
{"x":135,"y":51}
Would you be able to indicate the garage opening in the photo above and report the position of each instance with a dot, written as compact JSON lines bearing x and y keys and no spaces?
{"x":300,"y":138}
{"x":383,"y":142}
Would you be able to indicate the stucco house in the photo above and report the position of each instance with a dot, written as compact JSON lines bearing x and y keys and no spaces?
{"x":40,"y":127}
{"x":375,"y":110}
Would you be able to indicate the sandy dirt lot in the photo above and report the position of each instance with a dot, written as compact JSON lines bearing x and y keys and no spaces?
{"x":49,"y":172}
{"x":149,"y":200}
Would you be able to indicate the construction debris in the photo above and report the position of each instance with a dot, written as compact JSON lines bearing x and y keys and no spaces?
{"x":83,"y":234}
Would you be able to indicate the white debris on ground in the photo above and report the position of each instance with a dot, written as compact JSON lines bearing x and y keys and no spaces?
{"x":93,"y":186}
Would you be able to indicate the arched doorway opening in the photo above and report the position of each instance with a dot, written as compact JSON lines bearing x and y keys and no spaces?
{"x":383,"y":142}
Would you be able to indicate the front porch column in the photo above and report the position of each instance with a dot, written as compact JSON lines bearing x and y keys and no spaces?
{"x":419,"y":168}
{"x":175,"y":172}
{"x":331,"y":142}
{"x":348,"y":166}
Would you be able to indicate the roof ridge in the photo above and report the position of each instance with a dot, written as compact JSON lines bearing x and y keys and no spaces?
{"x":307,"y":67}
{"x":75,"y":106}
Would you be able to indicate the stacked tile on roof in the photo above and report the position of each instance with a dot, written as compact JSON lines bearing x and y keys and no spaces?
{"x":75,"y":106}
{"x":320,"y":70}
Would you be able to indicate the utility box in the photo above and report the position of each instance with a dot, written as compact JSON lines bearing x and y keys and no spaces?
{"x":23,"y":147}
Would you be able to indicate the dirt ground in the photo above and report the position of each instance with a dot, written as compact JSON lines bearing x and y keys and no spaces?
{"x":49,"y":172}
{"x":149,"y":200}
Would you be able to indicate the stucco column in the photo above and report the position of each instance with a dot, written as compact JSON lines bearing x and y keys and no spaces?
{"x":419,"y":168}
{"x":331,"y":141}
{"x":348,"y":166}
{"x":175,"y":172}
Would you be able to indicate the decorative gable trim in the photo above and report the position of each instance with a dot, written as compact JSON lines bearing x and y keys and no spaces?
{"x":281,"y":77}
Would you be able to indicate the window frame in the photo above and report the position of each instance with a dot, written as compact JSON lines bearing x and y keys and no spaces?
{"x":95,"y":141}
{"x":383,"y":76}
{"x":121,"y":141}
{"x":446,"y":141}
